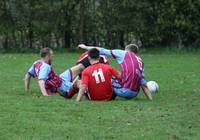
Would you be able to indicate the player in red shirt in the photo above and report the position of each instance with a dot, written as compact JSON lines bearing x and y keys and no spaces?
{"x":83,"y":59}
{"x":97,"y":79}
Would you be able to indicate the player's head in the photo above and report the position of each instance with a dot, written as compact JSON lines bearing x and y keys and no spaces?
{"x":133,"y":48}
{"x":93,"y":54}
{"x":47,"y":54}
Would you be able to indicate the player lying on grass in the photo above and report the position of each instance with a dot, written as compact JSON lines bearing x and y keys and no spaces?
{"x":49,"y":81}
{"x":96,"y":79}
{"x":132,"y":71}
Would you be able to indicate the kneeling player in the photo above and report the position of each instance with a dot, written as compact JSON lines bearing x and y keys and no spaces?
{"x":96,"y":79}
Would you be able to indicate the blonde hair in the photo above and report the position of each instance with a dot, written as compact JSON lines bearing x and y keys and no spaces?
{"x":133,"y":48}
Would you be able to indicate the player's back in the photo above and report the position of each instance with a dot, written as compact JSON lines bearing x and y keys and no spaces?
{"x":132,"y":69}
{"x":99,"y":81}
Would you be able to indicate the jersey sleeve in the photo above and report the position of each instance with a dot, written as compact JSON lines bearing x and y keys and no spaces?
{"x":142,"y":80}
{"x":31,"y":71}
{"x":143,"y":72}
{"x":114,"y":72}
{"x":117,"y":54}
{"x":85,"y":78}
{"x":44,"y":72}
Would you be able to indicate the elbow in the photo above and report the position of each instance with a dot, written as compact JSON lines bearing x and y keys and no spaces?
{"x":41,"y":82}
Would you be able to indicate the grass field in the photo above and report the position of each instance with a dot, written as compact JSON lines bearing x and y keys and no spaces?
{"x":173,"y":114}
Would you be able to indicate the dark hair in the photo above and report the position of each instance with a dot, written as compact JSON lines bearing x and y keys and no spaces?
{"x":44,"y":52}
{"x":93,"y":53}
{"x":133,"y":48}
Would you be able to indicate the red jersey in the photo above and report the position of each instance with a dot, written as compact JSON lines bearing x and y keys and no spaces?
{"x":98,"y":79}
{"x":83,"y":56}
{"x":103,"y":58}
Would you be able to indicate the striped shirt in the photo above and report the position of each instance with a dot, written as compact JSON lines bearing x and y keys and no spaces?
{"x":132,"y":68}
{"x":44,"y":71}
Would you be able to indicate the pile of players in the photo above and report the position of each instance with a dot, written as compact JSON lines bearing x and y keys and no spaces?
{"x":92,"y":77}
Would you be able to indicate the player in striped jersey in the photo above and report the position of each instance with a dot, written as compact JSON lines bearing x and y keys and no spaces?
{"x":49,"y":81}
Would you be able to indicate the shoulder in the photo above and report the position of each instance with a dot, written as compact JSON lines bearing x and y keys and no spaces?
{"x":105,"y":66}
{"x":46,"y":65}
{"x":84,"y":55}
{"x":118,"y":52}
{"x":39,"y":64}
{"x":87,"y":70}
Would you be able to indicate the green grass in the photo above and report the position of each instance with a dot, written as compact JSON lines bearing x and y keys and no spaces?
{"x":173,"y":114}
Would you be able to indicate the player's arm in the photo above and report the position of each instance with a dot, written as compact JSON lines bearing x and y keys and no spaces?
{"x":82,"y":90}
{"x":27,"y":80}
{"x":147,"y":92}
{"x":42,"y":87}
{"x":102,"y":51}
{"x":83,"y":46}
{"x":143,"y":83}
{"x":83,"y":86}
{"x":115,"y":73}
{"x":42,"y":77}
{"x":116,"y":54}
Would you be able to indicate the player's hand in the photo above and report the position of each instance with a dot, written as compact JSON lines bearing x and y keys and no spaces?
{"x":46,"y":95}
{"x":82,"y":46}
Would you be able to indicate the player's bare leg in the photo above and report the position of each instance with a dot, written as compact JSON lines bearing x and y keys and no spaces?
{"x":76,"y":70}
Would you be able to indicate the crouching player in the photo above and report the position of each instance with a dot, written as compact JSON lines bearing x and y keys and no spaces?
{"x":96,"y":79}
{"x":49,"y":81}
{"x":132,"y":71}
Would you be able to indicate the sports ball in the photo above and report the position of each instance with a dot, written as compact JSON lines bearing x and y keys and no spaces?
{"x":153,"y":86}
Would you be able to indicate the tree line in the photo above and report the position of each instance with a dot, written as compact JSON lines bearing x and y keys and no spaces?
{"x":108,"y":23}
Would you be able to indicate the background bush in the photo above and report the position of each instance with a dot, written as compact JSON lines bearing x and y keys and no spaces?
{"x":109,"y":23}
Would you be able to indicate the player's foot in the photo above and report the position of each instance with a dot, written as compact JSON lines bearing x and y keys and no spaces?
{"x":71,"y":92}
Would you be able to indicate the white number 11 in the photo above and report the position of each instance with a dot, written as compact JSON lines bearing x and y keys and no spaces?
{"x":98,"y":75}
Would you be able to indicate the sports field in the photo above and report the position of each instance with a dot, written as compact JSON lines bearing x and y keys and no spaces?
{"x":173,"y":114}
